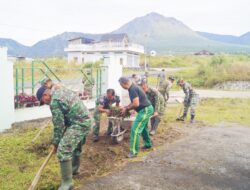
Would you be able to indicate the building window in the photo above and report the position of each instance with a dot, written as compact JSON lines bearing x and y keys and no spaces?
{"x":75,"y":59}
{"x":83,"y":60}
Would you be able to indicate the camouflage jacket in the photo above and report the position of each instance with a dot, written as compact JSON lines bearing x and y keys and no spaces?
{"x":161,"y":77}
{"x":165,"y":86}
{"x":189,"y":92}
{"x":156,"y":100}
{"x":67,"y":109}
{"x":106,"y":103}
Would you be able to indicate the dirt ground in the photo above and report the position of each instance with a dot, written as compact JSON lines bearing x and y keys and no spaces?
{"x":209,"y":158}
{"x":104,"y":157}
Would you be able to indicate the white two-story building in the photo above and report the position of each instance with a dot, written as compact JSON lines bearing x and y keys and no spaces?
{"x":117,"y":46}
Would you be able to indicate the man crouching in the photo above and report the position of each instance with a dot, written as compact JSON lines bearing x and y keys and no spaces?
{"x":71,"y":126}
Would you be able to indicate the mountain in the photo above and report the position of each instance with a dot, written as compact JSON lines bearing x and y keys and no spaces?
{"x":154,"y":31}
{"x":50,"y":47}
{"x":167,"y":34}
{"x":54,"y":46}
{"x":242,"y":40}
{"x":14,"y":47}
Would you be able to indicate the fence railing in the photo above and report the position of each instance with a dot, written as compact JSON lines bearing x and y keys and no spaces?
{"x":27,"y":79}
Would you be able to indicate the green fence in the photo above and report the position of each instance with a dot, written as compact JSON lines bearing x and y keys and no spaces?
{"x":28,"y":78}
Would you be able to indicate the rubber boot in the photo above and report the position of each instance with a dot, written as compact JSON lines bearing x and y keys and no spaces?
{"x":182,"y":118}
{"x":154,"y":126}
{"x":66,"y":173}
{"x":110,"y":129}
{"x":192,"y":118}
{"x":75,"y":165}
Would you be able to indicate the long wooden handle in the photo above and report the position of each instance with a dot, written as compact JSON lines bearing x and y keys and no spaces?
{"x":181,"y":109}
{"x":40,"y":132}
{"x":38,"y":174}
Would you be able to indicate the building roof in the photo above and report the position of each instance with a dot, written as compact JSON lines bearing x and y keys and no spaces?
{"x":114,"y":37}
{"x":84,"y":40}
{"x":204,"y":52}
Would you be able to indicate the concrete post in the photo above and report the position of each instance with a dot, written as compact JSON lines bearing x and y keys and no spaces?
{"x":111,"y":75}
{"x":7,"y":92}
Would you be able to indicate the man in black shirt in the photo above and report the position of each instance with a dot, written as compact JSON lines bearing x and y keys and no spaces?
{"x":141,"y":104}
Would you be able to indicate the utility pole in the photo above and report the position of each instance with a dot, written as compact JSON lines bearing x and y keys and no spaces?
{"x":145,"y":52}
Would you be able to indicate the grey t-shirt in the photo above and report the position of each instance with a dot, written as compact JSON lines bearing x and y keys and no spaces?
{"x":134,"y":92}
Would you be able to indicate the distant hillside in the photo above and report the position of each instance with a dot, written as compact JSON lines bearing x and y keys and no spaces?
{"x":166,"y":34}
{"x":54,"y":46}
{"x":14,"y":47}
{"x":242,"y":40}
{"x":154,"y":31}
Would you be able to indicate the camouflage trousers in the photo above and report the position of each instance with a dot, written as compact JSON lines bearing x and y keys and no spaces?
{"x":155,"y":121}
{"x":165,"y":94}
{"x":194,"y":101}
{"x":96,"y":127}
{"x":71,"y":143}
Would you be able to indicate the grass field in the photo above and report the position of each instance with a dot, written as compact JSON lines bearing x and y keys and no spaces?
{"x":218,"y":110}
{"x":218,"y":70}
{"x":20,"y":160}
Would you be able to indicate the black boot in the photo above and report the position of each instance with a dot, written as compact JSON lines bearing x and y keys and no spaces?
{"x":192,"y":118}
{"x":182,"y":118}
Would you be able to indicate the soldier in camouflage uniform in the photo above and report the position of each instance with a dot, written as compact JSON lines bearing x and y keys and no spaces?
{"x":158,"y":104}
{"x":162,"y":76}
{"x":165,"y":87}
{"x":88,"y":84}
{"x":71,"y":126}
{"x":191,"y":100}
{"x":103,"y":105}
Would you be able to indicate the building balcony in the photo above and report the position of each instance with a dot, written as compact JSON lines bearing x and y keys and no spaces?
{"x":105,"y":47}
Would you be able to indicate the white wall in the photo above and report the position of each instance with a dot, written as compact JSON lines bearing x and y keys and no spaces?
{"x":7,"y":92}
{"x":129,"y":59}
{"x":113,"y":72}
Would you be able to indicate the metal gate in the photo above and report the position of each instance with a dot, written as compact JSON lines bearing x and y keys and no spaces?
{"x":87,"y":82}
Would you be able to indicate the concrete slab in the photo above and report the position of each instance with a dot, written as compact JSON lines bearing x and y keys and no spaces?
{"x":34,"y":113}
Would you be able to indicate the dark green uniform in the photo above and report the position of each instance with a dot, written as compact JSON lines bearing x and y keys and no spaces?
{"x":164,"y":89}
{"x":158,"y":104}
{"x":140,"y":125}
{"x":191,"y":99}
{"x":71,"y":123}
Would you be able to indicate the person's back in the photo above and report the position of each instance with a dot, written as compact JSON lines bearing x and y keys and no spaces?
{"x":70,"y":105}
{"x":162,"y":77}
{"x":156,"y":99}
{"x":135,"y":91}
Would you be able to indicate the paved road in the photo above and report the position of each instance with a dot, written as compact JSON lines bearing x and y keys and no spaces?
{"x":214,"y":158}
{"x":174,"y":95}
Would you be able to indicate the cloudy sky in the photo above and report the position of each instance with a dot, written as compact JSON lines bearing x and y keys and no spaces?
{"x":29,"y":21}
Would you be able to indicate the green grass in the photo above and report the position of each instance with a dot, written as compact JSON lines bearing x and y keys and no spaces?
{"x":176,"y":60}
{"x":20,"y":160}
{"x":59,"y":66}
{"x":218,"y":70}
{"x":217,"y":110}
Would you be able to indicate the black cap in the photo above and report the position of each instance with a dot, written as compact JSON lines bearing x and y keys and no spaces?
{"x":39,"y":93}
